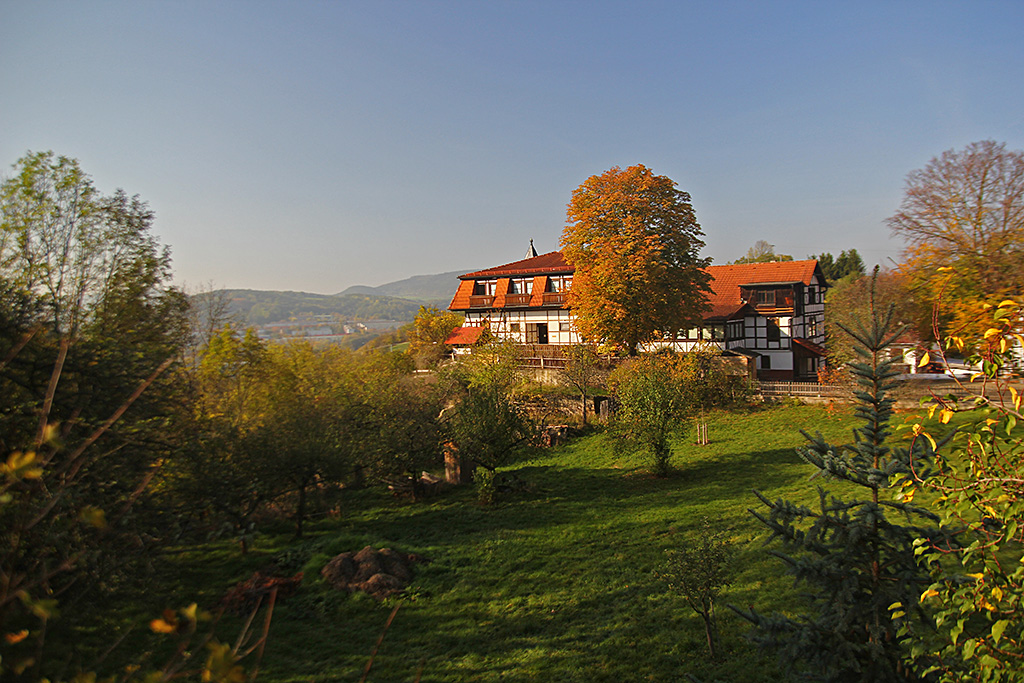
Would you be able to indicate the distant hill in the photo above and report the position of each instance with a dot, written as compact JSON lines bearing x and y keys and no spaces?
{"x":436,"y":290}
{"x":258,"y":307}
{"x":399,"y":301}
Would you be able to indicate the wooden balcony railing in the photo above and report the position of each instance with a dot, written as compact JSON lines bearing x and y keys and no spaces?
{"x":555,"y":298}
{"x":517,"y":299}
{"x":485,"y":301}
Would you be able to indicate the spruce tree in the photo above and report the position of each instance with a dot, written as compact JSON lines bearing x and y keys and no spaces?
{"x":854,"y":557}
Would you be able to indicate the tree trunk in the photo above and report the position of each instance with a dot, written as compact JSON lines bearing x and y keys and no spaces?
{"x":300,"y":510}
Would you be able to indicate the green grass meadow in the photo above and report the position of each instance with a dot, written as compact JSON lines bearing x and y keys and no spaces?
{"x":551,"y":583}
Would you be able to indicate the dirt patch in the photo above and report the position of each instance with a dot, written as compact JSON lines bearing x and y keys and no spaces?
{"x":380,"y":573}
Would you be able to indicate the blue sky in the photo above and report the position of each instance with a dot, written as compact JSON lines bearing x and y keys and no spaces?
{"x":315,"y":145}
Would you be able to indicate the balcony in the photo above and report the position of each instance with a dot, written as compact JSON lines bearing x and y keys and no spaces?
{"x":518,"y":299}
{"x":478,"y":301}
{"x":552,"y":298}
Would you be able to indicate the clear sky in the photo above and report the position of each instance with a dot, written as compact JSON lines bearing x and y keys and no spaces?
{"x":311,"y":146}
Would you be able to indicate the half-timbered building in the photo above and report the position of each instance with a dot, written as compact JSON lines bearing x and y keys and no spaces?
{"x":770,"y":312}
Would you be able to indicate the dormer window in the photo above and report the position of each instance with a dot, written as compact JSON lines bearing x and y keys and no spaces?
{"x":521,"y":286}
{"x":559,"y":283}
{"x":485,"y":287}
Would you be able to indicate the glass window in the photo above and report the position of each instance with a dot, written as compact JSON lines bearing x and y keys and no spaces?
{"x":485,"y":287}
{"x":521,"y":286}
{"x":559,"y":283}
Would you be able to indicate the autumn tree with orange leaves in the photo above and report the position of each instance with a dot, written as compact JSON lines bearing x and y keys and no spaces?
{"x":634,"y":241}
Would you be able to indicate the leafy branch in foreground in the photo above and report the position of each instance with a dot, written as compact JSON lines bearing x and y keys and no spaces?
{"x":977,"y":589}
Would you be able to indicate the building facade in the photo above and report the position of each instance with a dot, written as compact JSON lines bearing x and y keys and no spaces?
{"x":770,"y":312}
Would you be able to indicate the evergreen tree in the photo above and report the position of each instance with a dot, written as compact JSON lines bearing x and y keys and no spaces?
{"x":855,"y":557}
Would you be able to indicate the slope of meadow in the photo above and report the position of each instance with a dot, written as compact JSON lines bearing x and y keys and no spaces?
{"x":553,"y":582}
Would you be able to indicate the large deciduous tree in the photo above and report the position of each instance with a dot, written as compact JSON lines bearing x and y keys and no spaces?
{"x":85,"y":257}
{"x":964,"y":211}
{"x":634,"y":241}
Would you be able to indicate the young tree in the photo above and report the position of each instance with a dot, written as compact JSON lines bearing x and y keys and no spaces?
{"x":313,"y":421}
{"x":652,"y":407}
{"x":698,"y":570}
{"x":583,"y":370}
{"x":403,"y":434}
{"x":430,"y":328}
{"x":855,"y":557}
{"x":486,"y":422}
{"x":634,"y":241}
{"x":964,"y":213}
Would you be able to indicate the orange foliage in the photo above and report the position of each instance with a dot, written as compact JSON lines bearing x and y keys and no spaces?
{"x":634,"y":241}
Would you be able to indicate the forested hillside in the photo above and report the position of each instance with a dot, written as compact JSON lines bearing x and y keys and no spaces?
{"x":257,"y":307}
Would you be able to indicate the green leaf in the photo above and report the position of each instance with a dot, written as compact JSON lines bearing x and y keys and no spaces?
{"x":998,"y":628}
{"x":954,"y":633}
{"x":969,"y":646}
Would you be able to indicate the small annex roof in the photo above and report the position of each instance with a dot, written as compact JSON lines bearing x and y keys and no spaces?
{"x":464,"y":336}
{"x":811,"y":346}
{"x":726,"y":281}
{"x":551,"y":262}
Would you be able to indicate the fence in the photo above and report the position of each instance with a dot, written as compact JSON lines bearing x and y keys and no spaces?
{"x":907,"y":390}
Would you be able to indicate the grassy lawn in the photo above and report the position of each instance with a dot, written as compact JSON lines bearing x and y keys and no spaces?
{"x":554,"y":583}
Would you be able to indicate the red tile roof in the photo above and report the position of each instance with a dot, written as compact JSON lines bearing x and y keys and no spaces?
{"x":464,"y":336}
{"x":726,"y":281}
{"x":551,"y":262}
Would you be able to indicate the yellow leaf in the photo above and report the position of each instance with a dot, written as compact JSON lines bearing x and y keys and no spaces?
{"x":979,"y":576}
{"x":997,"y":593}
{"x":22,"y":465}
{"x":931,"y":410}
{"x":992,"y":332}
{"x":945,"y":415}
{"x":930,"y":593}
{"x":189,"y":612}
{"x":93,"y":516}
{"x":945,"y":269}
{"x":1004,"y":345}
{"x":925,"y":359}
{"x":1007,"y":302}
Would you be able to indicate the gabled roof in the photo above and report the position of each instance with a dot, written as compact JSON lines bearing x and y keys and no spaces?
{"x":726,"y":282}
{"x":551,"y":262}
